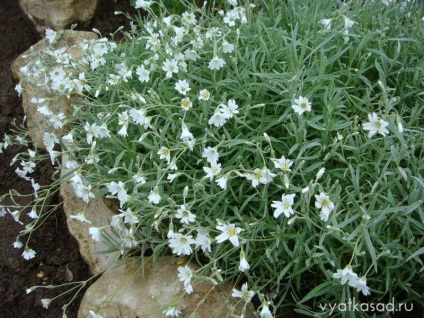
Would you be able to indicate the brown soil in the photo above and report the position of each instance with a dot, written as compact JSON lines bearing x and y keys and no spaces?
{"x":56,"y":250}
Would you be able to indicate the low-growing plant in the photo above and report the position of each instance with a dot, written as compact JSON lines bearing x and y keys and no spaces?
{"x":277,"y":144}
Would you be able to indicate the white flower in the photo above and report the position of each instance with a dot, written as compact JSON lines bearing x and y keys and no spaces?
{"x":222,"y":182}
{"x":167,"y":20}
{"x":229,"y":232}
{"x":324,"y":203}
{"x":216,"y":63}
{"x":50,"y":35}
{"x":185,"y":275}
{"x":123,"y":120}
{"x":213,"y":170}
{"x":28,"y":166}
{"x":138,"y":178}
{"x":44,"y":110}
{"x":228,"y":111}
{"x":68,"y":138}
{"x":49,"y":139}
{"x":91,"y":132}
{"x":186,"y":135}
{"x":143,"y":74}
{"x":46,"y":302}
{"x":33,"y":214}
{"x":84,"y":192}
{"x":244,"y":294}
{"x":347,"y":275}
{"x":284,"y":206}
{"x":211,"y":154}
{"x":116,"y":223}
{"x":172,"y":176}
{"x":172,"y":312}
{"x":2,"y":211}
{"x":387,"y":2}
{"x":186,"y":103}
{"x":57,"y":74}
{"x":173,"y":164}
{"x":128,"y":238}
{"x":154,"y":196}
{"x":203,"y":240}
{"x":231,"y":17}
{"x":375,"y":125}
{"x":114,"y":79}
{"x":265,"y":312}
{"x":180,"y":244}
{"x":170,"y":66}
{"x":227,"y":47}
{"x":139,"y":117}
{"x":102,"y":131}
{"x":28,"y":253}
{"x":348,"y":23}
{"x":18,"y":89}
{"x":17,"y":244}
{"x":164,"y":153}
{"x":189,"y":18}
{"x":232,"y":2}
{"x":191,"y":55}
{"x":301,"y":105}
{"x":143,"y":4}
{"x":80,"y":217}
{"x":94,"y":315}
{"x":244,"y":265}
{"x":96,"y":233}
{"x":204,"y":94}
{"x":283,"y":164}
{"x":320,"y":173}
{"x":361,"y":286}
{"x":326,"y":23}
{"x":185,"y":215}
{"x":182,"y":87}
{"x":129,"y":216}
{"x":119,"y":190}
{"x":267,"y":175}
{"x":260,"y":176}
{"x":217,"y":118}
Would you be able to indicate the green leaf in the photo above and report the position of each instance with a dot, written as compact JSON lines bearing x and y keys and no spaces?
{"x":370,"y":249}
{"x":415,"y":254}
{"x":317,"y":291}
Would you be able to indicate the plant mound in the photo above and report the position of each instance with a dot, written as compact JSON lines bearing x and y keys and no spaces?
{"x":278,"y":145}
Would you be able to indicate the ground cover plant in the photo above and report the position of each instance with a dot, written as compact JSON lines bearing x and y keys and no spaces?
{"x":279,"y":145}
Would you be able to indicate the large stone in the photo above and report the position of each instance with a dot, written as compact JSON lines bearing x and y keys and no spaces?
{"x":98,"y":214}
{"x":38,"y":123}
{"x":132,"y":290}
{"x":59,"y":14}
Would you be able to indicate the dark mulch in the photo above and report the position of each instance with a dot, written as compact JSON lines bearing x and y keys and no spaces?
{"x":56,"y":249}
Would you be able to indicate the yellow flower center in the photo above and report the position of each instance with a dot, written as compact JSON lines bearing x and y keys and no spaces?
{"x":325,"y":203}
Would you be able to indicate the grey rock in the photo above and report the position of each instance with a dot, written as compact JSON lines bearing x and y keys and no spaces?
{"x":135,"y":290}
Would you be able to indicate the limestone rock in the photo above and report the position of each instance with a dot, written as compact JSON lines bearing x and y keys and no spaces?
{"x":131,"y":291}
{"x":38,"y":123}
{"x":59,"y":14}
{"x":98,"y":214}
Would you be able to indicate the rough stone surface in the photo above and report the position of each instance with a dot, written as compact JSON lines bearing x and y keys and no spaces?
{"x":98,"y":214}
{"x":38,"y":123}
{"x":127,"y":291}
{"x":59,"y":14}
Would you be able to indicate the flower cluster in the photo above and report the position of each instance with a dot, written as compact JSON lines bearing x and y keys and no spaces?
{"x":227,"y":140}
{"x":347,"y":275}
